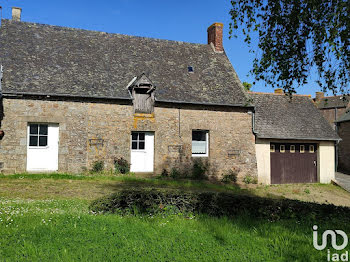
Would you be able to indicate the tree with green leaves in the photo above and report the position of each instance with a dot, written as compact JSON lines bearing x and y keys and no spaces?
{"x":247,"y":86}
{"x":295,"y":38}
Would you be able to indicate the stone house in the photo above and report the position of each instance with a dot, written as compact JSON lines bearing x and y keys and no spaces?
{"x":343,"y":129}
{"x":332,"y":107}
{"x":70,"y":97}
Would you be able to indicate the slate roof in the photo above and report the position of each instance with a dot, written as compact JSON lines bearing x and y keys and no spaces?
{"x":345,"y":117}
{"x":333,"y":101}
{"x":52,"y":60}
{"x":282,"y":117}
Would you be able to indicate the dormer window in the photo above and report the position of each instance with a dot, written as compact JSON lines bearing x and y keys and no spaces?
{"x":142,"y":91}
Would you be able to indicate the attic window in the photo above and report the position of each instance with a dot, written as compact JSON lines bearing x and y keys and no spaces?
{"x":142,"y":91}
{"x":190,"y":69}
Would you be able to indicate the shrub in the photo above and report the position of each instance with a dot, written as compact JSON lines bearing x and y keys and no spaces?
{"x":230,"y":176}
{"x":121,"y":165}
{"x":97,"y":166}
{"x":175,"y":173}
{"x":200,"y":169}
{"x":250,"y":179}
{"x":164,"y":173}
{"x":152,"y":201}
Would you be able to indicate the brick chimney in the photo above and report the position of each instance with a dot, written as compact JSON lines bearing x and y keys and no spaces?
{"x":279,"y":91}
{"x":215,"y":36}
{"x":16,"y":13}
{"x":319,"y":96}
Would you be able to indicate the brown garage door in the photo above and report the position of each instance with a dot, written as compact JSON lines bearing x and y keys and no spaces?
{"x":293,"y":163}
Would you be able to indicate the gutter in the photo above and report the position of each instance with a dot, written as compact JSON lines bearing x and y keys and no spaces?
{"x":1,"y":71}
{"x":21,"y":94}
{"x":204,"y":103}
{"x":302,"y":138}
{"x":15,"y":94}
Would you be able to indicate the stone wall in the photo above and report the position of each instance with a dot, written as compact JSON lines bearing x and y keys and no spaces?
{"x":232,"y":143}
{"x":344,"y":147}
{"x":330,"y":114}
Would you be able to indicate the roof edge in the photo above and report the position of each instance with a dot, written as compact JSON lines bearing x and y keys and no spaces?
{"x":12,"y":94}
{"x":299,"y":138}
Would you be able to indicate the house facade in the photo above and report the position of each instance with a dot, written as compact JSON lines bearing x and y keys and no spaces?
{"x":332,"y":107}
{"x":343,"y":129}
{"x":71,"y":97}
{"x":335,"y":110}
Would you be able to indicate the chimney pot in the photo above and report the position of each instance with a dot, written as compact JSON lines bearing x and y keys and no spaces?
{"x":319,"y":96}
{"x":215,"y":36}
{"x":16,"y":13}
{"x":279,"y":91}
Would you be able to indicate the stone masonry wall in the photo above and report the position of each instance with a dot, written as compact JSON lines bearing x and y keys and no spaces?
{"x":344,"y":147}
{"x":329,"y":114}
{"x":81,"y":124}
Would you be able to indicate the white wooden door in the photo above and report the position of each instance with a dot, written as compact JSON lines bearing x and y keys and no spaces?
{"x":142,"y":152}
{"x":42,"y":147}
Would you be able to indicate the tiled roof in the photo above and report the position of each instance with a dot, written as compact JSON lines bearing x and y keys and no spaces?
{"x":282,"y":117}
{"x":345,"y":117}
{"x":333,"y":101}
{"x":52,"y":60}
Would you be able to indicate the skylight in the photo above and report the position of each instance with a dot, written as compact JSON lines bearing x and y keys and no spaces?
{"x":190,"y":69}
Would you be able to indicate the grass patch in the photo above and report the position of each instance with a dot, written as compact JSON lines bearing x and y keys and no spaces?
{"x":45,"y":217}
{"x":64,"y":230}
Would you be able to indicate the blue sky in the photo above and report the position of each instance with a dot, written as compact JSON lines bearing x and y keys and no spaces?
{"x":179,"y":20}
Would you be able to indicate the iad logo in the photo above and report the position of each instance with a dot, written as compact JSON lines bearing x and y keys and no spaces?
{"x":333,"y":235}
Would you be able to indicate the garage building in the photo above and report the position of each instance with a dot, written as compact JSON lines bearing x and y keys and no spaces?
{"x":294,"y":142}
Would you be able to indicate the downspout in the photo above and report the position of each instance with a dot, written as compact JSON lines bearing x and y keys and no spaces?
{"x":1,"y":70}
{"x":2,"y":133}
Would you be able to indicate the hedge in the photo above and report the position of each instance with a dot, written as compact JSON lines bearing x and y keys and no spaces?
{"x":153,"y":201}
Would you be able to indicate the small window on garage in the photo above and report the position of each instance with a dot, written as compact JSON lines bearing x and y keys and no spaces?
{"x":282,"y":148}
{"x":200,"y":143}
{"x":38,"y":134}
{"x":311,"y":149}
{"x":272,"y":148}
{"x":292,"y":149}
{"x":137,"y":141}
{"x":302,"y":149}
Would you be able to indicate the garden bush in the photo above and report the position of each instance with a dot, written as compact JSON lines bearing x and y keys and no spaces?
{"x":97,"y":166}
{"x":152,"y":201}
{"x":121,"y":165}
{"x":250,"y":179}
{"x":200,"y":169}
{"x":230,"y":176}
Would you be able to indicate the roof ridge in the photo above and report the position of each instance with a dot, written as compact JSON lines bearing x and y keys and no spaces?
{"x":335,"y":96}
{"x":100,"y":32}
{"x":265,"y":93}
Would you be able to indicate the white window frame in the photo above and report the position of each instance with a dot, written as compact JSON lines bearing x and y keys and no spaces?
{"x":302,"y":149}
{"x":272,"y":149}
{"x":38,"y":135}
{"x":138,"y":141}
{"x":292,"y":150}
{"x":207,"y":144}
{"x":313,"y":149}
{"x":284,"y":148}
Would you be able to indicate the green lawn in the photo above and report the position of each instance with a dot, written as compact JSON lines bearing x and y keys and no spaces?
{"x":39,"y":226}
